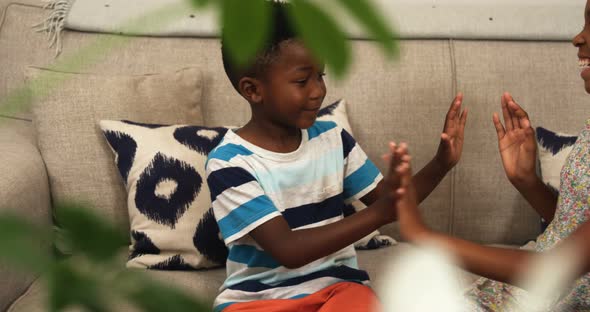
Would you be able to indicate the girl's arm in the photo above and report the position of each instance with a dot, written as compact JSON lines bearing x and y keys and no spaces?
{"x":540,"y":197}
{"x":501,"y":264}
{"x":505,"y":265}
{"x":518,"y":150}
{"x":496,"y":263}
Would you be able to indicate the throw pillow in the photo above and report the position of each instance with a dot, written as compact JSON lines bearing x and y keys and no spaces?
{"x":66,"y":108}
{"x":553,"y":150}
{"x":163,"y":169}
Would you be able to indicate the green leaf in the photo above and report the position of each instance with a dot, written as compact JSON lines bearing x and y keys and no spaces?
{"x":322,"y":35}
{"x":88,"y":233}
{"x":24,"y":245}
{"x":200,"y":3}
{"x":152,"y":296}
{"x":246,"y":25}
{"x":68,"y":287}
{"x":374,"y":23}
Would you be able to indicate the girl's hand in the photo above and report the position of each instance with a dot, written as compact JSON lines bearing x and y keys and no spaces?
{"x":516,"y":142}
{"x":412,"y":227}
{"x":452,"y":138}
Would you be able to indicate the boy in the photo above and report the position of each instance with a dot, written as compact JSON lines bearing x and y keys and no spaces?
{"x":278,"y":186}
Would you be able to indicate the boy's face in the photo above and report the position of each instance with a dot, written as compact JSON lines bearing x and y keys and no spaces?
{"x":293,"y":88}
{"x":581,"y":42}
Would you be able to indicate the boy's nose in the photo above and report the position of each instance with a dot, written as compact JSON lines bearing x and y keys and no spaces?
{"x":318,"y":91}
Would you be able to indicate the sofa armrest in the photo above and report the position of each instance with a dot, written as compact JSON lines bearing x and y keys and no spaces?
{"x":24,"y":190}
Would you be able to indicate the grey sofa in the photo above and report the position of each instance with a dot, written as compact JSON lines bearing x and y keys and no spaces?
{"x":401,"y":100}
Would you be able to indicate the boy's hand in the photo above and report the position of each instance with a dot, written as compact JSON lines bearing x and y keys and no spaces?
{"x":516,"y":142}
{"x":452,"y":138}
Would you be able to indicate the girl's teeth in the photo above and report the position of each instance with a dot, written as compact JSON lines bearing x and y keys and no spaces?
{"x":583,"y":63}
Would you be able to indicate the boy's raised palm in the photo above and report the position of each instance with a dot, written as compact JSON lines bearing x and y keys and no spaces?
{"x":516,"y":142}
{"x":452,"y":138}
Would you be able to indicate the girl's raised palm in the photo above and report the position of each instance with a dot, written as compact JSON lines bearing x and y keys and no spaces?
{"x":516,"y":142}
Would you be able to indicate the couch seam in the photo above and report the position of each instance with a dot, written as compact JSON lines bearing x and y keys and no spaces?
{"x":2,"y":20}
{"x":15,"y":118}
{"x":22,"y":295}
{"x":454,"y":170}
{"x":5,"y":12}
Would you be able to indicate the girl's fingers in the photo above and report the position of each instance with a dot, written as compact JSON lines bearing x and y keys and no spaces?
{"x":506,"y":112}
{"x":500,"y":131}
{"x":510,"y":104}
{"x":394,"y":160}
{"x":520,"y":114}
{"x":463,"y":119}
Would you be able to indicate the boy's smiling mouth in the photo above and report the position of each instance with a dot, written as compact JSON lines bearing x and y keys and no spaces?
{"x":318,"y":108}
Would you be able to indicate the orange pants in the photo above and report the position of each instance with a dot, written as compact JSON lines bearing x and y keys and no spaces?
{"x":340,"y":297}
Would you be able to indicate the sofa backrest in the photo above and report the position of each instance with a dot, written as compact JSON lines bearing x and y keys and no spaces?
{"x":403,"y":100}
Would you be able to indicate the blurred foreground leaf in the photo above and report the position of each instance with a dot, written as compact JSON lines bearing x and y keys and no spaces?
{"x":245,"y":27}
{"x":200,"y":3}
{"x":67,"y":287}
{"x":87,"y":279}
{"x":374,"y":24}
{"x":322,"y":35}
{"x":24,"y":245}
{"x":88,"y":233}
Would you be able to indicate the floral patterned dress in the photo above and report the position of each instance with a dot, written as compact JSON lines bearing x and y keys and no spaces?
{"x":573,"y":209}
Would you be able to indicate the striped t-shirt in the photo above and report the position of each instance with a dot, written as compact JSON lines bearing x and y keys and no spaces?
{"x":308,"y":187}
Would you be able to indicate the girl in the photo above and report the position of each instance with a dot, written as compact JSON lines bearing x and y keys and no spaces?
{"x":569,"y":213}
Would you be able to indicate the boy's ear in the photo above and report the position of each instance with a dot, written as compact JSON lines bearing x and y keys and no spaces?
{"x":251,"y":89}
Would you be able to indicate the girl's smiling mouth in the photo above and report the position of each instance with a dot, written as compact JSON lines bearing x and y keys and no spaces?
{"x":583,"y":64}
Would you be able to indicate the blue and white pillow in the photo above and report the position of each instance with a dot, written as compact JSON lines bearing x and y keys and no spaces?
{"x":553,"y":148}
{"x":172,"y":227}
{"x":171,"y":220}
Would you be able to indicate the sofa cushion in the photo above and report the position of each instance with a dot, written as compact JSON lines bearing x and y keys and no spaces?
{"x":66,"y":108}
{"x":205,"y":283}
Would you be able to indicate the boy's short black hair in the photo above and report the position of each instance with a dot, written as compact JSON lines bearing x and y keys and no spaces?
{"x":281,"y":30}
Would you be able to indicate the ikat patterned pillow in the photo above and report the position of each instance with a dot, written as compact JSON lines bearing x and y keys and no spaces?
{"x":553,"y":150}
{"x":163,"y":168}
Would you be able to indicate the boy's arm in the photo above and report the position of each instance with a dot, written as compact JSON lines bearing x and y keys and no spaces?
{"x":295,"y":248}
{"x":448,"y":153}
